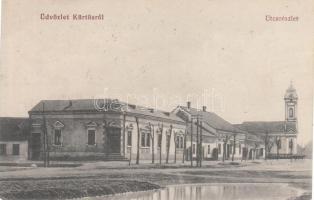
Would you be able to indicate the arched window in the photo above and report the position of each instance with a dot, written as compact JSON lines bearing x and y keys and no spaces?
{"x":291,"y":114}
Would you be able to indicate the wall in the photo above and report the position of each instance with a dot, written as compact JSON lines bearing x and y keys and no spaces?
{"x":145,"y":153}
{"x":74,"y":142}
{"x":23,"y":156}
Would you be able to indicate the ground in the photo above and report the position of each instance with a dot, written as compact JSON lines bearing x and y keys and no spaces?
{"x":100,"y":178}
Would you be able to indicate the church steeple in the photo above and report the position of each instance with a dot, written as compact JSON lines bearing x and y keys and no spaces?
{"x":291,"y":100}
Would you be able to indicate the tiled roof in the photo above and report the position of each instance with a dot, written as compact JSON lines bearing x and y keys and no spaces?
{"x":89,"y":105}
{"x":13,"y":129}
{"x":268,"y":127}
{"x":213,"y":120}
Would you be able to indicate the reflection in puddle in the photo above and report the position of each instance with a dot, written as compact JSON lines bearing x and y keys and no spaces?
{"x":245,"y":191}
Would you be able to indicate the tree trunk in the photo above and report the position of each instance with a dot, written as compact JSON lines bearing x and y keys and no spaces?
{"x":191,"y":152}
{"x":168,"y":144}
{"x":201,"y":144}
{"x":175,"y":147}
{"x":152,"y":134}
{"x":184,"y":146}
{"x":197,"y":142}
{"x":277,"y":144}
{"x":234,"y":146}
{"x":138,"y":142}
{"x":266,"y":147}
{"x":123,"y":134}
{"x":224,"y":153}
{"x":160,"y":148}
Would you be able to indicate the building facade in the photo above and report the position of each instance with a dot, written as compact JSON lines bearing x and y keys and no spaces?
{"x":220,"y":140}
{"x":13,"y":139}
{"x":103,"y":130}
{"x":280,"y":137}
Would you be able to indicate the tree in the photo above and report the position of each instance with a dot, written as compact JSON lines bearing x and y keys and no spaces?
{"x":270,"y":145}
{"x":161,"y":128}
{"x":138,"y":142}
{"x":191,"y":152}
{"x":234,"y":146}
{"x":176,"y":142}
{"x":184,"y":146}
{"x":278,"y":145}
{"x":168,"y":143}
{"x":255,"y":149}
{"x":225,"y":141}
{"x":201,"y":144}
{"x":46,"y":145}
{"x":152,"y":136}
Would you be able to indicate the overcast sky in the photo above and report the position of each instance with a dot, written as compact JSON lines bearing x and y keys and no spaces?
{"x":170,"y":51}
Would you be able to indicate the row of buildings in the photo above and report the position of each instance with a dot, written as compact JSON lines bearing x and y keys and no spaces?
{"x":89,"y":129}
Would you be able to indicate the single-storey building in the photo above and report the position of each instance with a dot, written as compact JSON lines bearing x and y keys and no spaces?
{"x":13,"y":139}
{"x":220,"y":139}
{"x":103,"y":129}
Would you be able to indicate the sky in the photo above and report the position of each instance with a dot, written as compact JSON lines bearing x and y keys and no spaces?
{"x":221,"y":54}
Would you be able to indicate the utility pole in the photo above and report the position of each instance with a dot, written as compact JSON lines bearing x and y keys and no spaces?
{"x":138,"y":142}
{"x":197,"y":141}
{"x":201,"y":141}
{"x":46,"y":148}
{"x":191,"y":152}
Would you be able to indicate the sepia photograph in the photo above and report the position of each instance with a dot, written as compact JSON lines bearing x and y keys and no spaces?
{"x":156,"y":100}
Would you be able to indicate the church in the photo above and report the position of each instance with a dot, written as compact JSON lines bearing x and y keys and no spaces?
{"x":280,"y":137}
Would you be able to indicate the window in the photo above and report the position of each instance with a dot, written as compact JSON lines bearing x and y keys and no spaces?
{"x":148,"y":139}
{"x":219,"y":148}
{"x":91,"y":137}
{"x":181,"y":142}
{"x":291,"y":112}
{"x":159,"y":140}
{"x":208,"y":150}
{"x":178,"y":142}
{"x":168,"y":140}
{"x":3,"y":149}
{"x":193,"y":150}
{"x":57,"y":136}
{"x":145,"y":139}
{"x":230,"y":148}
{"x":278,"y":143}
{"x":290,"y":144}
{"x":16,"y":149}
{"x":129,"y":138}
{"x":240,"y":149}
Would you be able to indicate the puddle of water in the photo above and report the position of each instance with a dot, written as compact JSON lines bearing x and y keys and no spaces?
{"x":240,"y":191}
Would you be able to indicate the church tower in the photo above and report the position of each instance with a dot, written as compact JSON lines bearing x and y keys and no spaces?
{"x":291,"y":104}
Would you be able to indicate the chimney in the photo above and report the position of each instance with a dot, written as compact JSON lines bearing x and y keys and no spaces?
{"x":204,"y":108}
{"x":189,"y":104}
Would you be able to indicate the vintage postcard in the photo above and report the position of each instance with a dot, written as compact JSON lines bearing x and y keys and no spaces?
{"x":156,"y":100}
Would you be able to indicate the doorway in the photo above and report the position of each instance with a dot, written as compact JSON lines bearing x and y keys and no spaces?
{"x":114,"y":140}
{"x":35,"y":146}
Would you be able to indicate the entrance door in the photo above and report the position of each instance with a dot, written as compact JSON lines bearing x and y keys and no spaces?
{"x":35,"y":146}
{"x":114,"y":140}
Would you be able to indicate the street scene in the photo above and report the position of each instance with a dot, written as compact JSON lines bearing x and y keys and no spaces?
{"x":95,"y":148}
{"x":156,"y":100}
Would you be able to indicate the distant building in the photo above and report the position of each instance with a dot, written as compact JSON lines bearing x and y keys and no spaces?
{"x":103,"y":130}
{"x":13,"y":139}
{"x":280,"y":137}
{"x":220,"y":139}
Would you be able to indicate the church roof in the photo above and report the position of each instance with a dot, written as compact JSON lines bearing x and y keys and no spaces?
{"x":13,"y":129}
{"x":90,"y":105}
{"x":263,"y":127}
